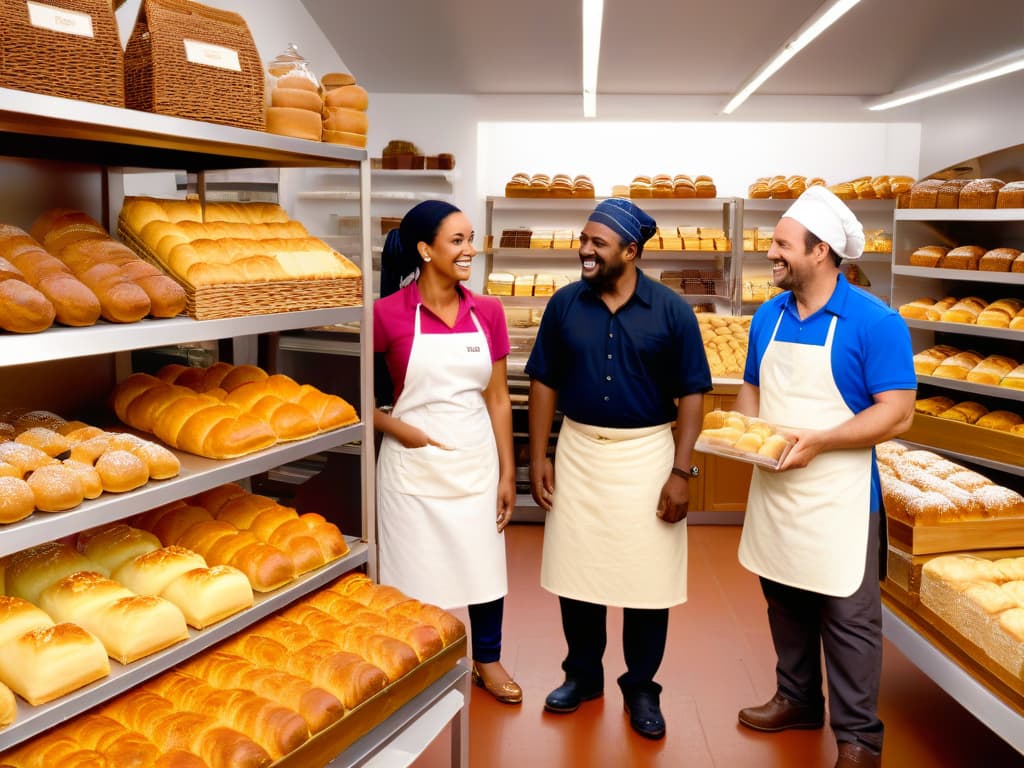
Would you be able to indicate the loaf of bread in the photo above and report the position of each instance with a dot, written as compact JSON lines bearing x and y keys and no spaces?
{"x":927,"y":360}
{"x":962,"y":257}
{"x":948,"y":194}
{"x":32,"y":570}
{"x":991,"y":370}
{"x":18,"y":616}
{"x":46,"y":663}
{"x":998,"y":260}
{"x":928,"y":256}
{"x":220,"y":669}
{"x":967,"y":411}
{"x":924,"y":194}
{"x":980,"y":193}
{"x":292,"y":121}
{"x":137,"y":626}
{"x":151,"y":572}
{"x":1000,"y":313}
{"x":1014,"y":379}
{"x":966,"y":310}
{"x":23,"y":309}
{"x":933,"y":406}
{"x":1002,"y":421}
{"x":1011,"y":195}
{"x":208,"y":595}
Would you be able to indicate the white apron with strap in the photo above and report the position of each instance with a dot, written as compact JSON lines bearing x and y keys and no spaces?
{"x":808,"y":527}
{"x":603,"y":540}
{"x":437,"y":508}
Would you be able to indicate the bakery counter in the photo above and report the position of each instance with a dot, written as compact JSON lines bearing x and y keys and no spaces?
{"x":31,"y":721}
{"x":59,"y":343}
{"x":197,"y":474}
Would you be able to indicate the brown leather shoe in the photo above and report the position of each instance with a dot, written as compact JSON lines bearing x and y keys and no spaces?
{"x":781,"y":714}
{"x":507,"y":691}
{"x":857,"y":756}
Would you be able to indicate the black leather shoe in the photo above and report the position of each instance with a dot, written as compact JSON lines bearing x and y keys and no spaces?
{"x":569,"y":695}
{"x":781,"y":714}
{"x":645,"y":714}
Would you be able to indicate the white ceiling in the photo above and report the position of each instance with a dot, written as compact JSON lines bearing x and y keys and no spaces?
{"x":660,"y":47}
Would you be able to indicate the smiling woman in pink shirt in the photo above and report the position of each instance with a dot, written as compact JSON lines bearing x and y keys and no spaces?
{"x":445,"y":474}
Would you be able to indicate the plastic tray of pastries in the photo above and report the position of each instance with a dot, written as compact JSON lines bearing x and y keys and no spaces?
{"x":735,"y":436}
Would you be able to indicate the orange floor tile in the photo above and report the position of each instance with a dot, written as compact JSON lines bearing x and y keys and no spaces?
{"x":719,"y":659}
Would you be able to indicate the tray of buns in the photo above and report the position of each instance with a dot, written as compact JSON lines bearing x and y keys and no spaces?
{"x":238,"y":259}
{"x":734,"y":436}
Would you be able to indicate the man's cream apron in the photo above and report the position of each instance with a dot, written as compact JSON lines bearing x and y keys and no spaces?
{"x":808,"y":527}
{"x":603,"y":540}
{"x":437,"y":508}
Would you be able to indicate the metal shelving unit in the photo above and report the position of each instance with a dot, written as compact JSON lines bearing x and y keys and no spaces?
{"x":34,"y":720}
{"x":116,"y":141}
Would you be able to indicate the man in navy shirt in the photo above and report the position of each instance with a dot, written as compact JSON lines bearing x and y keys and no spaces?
{"x":833,"y":364}
{"x":621,"y":355}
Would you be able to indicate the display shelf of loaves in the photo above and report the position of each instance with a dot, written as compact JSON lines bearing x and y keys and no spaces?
{"x":128,"y":592}
{"x":963,"y":193}
{"x":559,"y":186}
{"x":662,"y":186}
{"x":944,"y":361}
{"x":314,"y":677}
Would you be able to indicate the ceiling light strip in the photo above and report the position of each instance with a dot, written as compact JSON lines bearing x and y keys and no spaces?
{"x":1001,"y":66}
{"x":593,"y":14}
{"x":827,"y":15}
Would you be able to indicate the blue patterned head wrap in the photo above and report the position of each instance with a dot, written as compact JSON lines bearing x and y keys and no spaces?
{"x":626,"y":219}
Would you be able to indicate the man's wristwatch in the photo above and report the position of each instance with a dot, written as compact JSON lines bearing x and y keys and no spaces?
{"x":693,"y":471}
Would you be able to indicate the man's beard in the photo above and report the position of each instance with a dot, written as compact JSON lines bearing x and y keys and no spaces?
{"x":607,"y":274}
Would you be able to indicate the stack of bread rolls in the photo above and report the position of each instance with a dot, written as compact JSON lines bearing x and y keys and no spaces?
{"x":52,"y":465}
{"x":271,"y":544}
{"x":345,"y":105}
{"x":663,"y":185}
{"x":873,"y":187}
{"x":560,"y":185}
{"x":782,"y":187}
{"x":741,"y":435}
{"x":295,"y":107}
{"x":923,"y":488}
{"x":949,"y":362}
{"x":229,"y":242}
{"x":225,"y":411}
{"x":981,"y":599}
{"x":127,"y":287}
{"x":725,"y":342}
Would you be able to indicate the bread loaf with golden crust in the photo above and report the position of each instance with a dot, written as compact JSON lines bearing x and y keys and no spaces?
{"x":981,"y":193}
{"x":32,"y":570}
{"x":45,"y":663}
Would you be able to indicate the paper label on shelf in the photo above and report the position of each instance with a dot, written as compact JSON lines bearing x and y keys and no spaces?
{"x":60,"y":20}
{"x":212,"y":55}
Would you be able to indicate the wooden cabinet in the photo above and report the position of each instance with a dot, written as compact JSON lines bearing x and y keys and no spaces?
{"x":724,"y":483}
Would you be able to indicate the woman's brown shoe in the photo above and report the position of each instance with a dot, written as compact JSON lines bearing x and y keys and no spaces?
{"x":507,"y":692}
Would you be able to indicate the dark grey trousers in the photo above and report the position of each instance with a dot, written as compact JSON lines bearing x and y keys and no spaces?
{"x":849,"y":631}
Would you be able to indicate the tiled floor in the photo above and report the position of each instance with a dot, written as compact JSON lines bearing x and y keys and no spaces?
{"x":719,"y":660}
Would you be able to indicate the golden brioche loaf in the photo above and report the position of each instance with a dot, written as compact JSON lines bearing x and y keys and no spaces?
{"x":46,"y":663}
{"x":208,"y":595}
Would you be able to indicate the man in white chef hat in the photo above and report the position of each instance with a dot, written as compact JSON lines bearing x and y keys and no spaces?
{"x":833,"y":366}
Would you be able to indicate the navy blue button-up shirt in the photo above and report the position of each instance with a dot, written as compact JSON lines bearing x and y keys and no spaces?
{"x":623,"y":369}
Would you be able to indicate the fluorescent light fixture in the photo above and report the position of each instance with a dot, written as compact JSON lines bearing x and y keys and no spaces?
{"x":823,"y":18}
{"x":593,"y":13}
{"x":1002,"y":66}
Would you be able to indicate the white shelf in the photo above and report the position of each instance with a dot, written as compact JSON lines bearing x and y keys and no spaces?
{"x":393,"y":196}
{"x":197,"y":475}
{"x":34,"y":720}
{"x":869,"y":257}
{"x":1000,"y":717}
{"x":114,"y":136}
{"x":959,"y":214}
{"x":964,"y":275}
{"x":584,"y":204}
{"x":966,"y":329}
{"x":769,"y":205}
{"x":990,"y":390}
{"x":58,"y":343}
{"x":319,"y":346}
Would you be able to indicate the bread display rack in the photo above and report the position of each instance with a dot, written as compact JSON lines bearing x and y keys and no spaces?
{"x":40,"y":127}
{"x":935,"y":654}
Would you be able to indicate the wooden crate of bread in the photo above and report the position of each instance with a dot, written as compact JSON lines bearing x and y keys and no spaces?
{"x":903,"y":571}
{"x":1006,"y":447}
{"x":936,"y":505}
{"x":213,"y":251}
{"x":66,"y":48}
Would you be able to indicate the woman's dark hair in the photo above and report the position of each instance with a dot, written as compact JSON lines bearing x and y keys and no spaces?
{"x":401,"y":256}
{"x":811,"y":240}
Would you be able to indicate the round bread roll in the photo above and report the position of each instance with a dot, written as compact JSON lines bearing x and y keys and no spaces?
{"x":48,"y":441}
{"x":121,"y":471}
{"x":299,"y":82}
{"x":346,"y":120}
{"x":296,"y":98}
{"x":350,"y":96}
{"x":25,"y":457}
{"x":289,"y":121}
{"x":16,"y":499}
{"x":774,"y":446}
{"x":345,"y":137}
{"x":750,"y":442}
{"x":337,"y":79}
{"x":56,"y":488}
{"x":92,"y":486}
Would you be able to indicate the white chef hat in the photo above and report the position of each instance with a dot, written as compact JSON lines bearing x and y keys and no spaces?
{"x":830,"y":220}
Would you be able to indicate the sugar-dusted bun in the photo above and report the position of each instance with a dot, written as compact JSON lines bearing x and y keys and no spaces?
{"x":121,"y":471}
{"x":16,"y":499}
{"x":56,"y":488}
{"x":50,"y":442}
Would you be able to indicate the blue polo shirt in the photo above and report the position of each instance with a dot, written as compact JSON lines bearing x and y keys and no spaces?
{"x":620,"y":369}
{"x":871,"y":351}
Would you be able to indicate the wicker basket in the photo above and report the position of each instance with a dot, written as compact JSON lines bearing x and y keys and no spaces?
{"x":212,"y":302}
{"x":162,"y":76}
{"x":84,"y":65}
